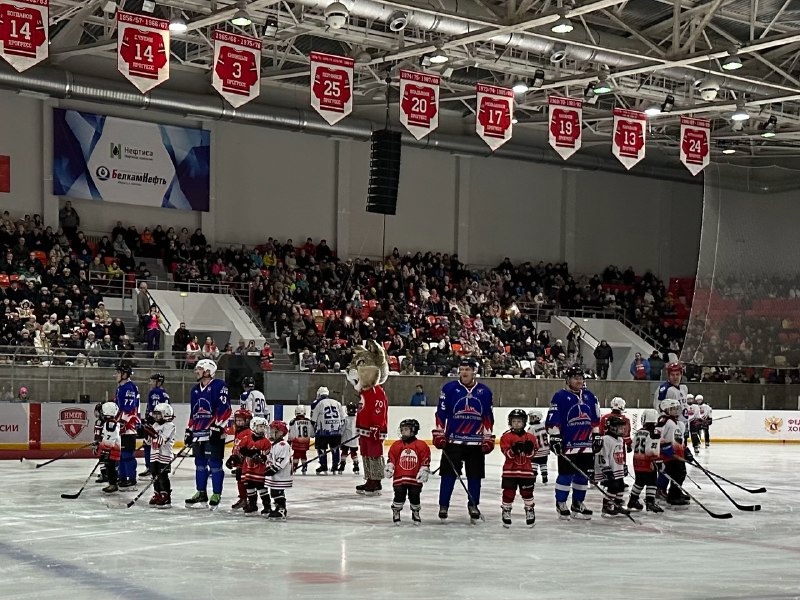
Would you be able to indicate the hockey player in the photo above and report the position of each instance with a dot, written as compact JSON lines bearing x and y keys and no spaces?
{"x":209,"y":413}
{"x":573,"y":424}
{"x":646,"y":451}
{"x":464,"y":424}
{"x":109,"y":446}
{"x":254,"y":401}
{"x":612,"y":464}
{"x":705,"y":418}
{"x":618,"y":410}
{"x":673,"y":449}
{"x":328,"y":418}
{"x":693,"y":416}
{"x":537,"y":428}
{"x":301,"y":430}
{"x":349,"y":445}
{"x":99,"y":420}
{"x":255,"y":449}
{"x":127,"y":399}
{"x":156,"y":395}
{"x":673,"y":389}
{"x":241,"y":430}
{"x":408,"y":466}
{"x":279,"y":469}
{"x":161,"y":436}
{"x":518,"y":447}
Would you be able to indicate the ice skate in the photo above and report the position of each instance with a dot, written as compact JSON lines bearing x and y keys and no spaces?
{"x":415,"y":518}
{"x":530,"y":516}
{"x":199,"y":500}
{"x":580,"y":512}
{"x":127,"y":486}
{"x":361,"y":489}
{"x":634,"y":503}
{"x":239,"y":504}
{"x":443,"y":513}
{"x":651,"y":506}
{"x":506,"y":516}
{"x":165,"y":500}
{"x":321,"y":470}
{"x":154,"y":500}
{"x":475,"y":515}
{"x":563,"y":511}
{"x":110,"y":488}
{"x":356,"y":470}
{"x":396,"y":514}
{"x":214,"y":501}
{"x":251,"y":506}
{"x":610,"y":509}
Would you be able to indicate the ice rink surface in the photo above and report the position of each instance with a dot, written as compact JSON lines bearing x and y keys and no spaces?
{"x":338,"y":545}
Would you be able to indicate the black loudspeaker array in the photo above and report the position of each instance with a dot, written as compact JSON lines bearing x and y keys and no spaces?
{"x":384,"y":172}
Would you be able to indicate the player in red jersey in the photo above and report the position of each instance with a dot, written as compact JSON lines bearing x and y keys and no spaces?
{"x":241,"y":430}
{"x":646,"y":452}
{"x":301,"y":430}
{"x":618,"y":410}
{"x":518,"y":446}
{"x":255,"y":450}
{"x":408,"y":466}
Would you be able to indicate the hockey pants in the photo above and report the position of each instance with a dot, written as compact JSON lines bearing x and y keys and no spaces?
{"x":208,"y":461}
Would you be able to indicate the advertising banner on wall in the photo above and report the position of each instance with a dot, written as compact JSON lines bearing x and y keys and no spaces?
{"x":419,"y":102}
{"x":331,"y":86}
{"x":565,"y":125}
{"x":13,"y":424}
{"x":67,"y":423}
{"x":695,"y":143}
{"x":142,"y":49}
{"x":24,"y":32}
{"x":495,"y":111}
{"x":628,"y":143}
{"x":109,"y":159}
{"x":237,"y":67}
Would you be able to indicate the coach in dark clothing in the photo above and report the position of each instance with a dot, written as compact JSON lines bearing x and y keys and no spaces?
{"x":603,"y":356}
{"x":656,"y":366}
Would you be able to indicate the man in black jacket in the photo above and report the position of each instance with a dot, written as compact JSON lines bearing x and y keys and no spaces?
{"x":603,"y":356}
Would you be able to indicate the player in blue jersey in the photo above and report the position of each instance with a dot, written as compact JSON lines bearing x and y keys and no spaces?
{"x":573,"y":424}
{"x":156,"y":395}
{"x":209,"y":413}
{"x":464,"y":424}
{"x":126,"y":398}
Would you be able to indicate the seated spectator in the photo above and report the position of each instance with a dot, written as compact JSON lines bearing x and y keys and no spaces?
{"x":115,"y":273}
{"x":119,"y":246}
{"x":147,"y":243}
{"x":210,"y":349}
{"x":194,"y":352}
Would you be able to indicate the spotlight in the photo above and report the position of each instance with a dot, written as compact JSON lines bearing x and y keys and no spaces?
{"x":148,"y":6}
{"x":768,"y":128}
{"x":732,"y":63}
{"x":740,"y":114}
{"x":588,"y":91}
{"x":438,"y":56}
{"x":520,"y":86}
{"x":653,"y":110}
{"x":669,"y":103}
{"x":538,"y":78}
{"x":270,"y":26}
{"x":729,"y":151}
{"x":563,"y":25}
{"x":178,"y":25}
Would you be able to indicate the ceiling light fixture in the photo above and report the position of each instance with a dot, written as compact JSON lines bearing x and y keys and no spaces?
{"x":588,"y":91}
{"x":271,"y":26}
{"x":178,"y":25}
{"x":563,"y":25}
{"x":768,"y":128}
{"x":603,"y":86}
{"x":438,"y":56}
{"x":729,"y":151}
{"x":653,"y":110}
{"x":669,"y":103}
{"x":733,"y":62}
{"x":740,"y":114}
{"x":520,"y":86}
{"x":241,"y":18}
{"x":538,"y":79}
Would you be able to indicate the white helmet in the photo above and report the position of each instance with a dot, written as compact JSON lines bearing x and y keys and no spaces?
{"x":649,"y":415}
{"x":259,"y":425}
{"x":618,"y":403}
{"x":699,"y":398}
{"x":206,"y":364}
{"x":323,"y":391}
{"x":110,"y":410}
{"x":165,"y":409}
{"x":534,"y":414}
{"x":299,"y":410}
{"x":668,"y":405}
{"x":690,"y":398}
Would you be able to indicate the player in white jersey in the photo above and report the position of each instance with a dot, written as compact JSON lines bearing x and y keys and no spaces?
{"x":329,"y":420}
{"x":350,"y":445}
{"x":693,"y":411}
{"x":539,"y":431}
{"x":612,"y":464}
{"x":254,"y":401}
{"x":673,"y":450}
{"x":674,"y":389}
{"x":279,"y":469}
{"x":161,"y":434}
{"x":705,"y":418}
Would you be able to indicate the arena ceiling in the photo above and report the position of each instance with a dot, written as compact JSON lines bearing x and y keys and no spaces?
{"x":649,"y":49}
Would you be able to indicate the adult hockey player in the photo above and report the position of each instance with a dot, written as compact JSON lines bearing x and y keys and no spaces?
{"x":573,"y":424}
{"x":464,"y":424}
{"x":209,"y":413}
{"x":126,"y":398}
{"x":328,"y":417}
{"x":157,"y":395}
{"x":253,"y":400}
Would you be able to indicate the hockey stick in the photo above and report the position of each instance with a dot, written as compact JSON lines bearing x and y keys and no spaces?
{"x":80,"y":491}
{"x":624,"y":511}
{"x":32,"y":465}
{"x":743,"y":507}
{"x":153,"y":479}
{"x":761,"y":490}
{"x":461,"y":481}
{"x":326,"y":452}
{"x":711,"y":513}
{"x":178,"y":466}
{"x":725,"y":417}
{"x":694,"y":482}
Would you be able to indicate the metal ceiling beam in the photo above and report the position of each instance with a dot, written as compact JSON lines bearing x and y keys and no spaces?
{"x":712,"y":8}
{"x":774,"y":19}
{"x":623,"y":25}
{"x":700,"y":9}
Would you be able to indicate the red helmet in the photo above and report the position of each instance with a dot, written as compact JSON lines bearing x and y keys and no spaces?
{"x":243,"y":413}
{"x":280,"y":426}
{"x":674,"y":367}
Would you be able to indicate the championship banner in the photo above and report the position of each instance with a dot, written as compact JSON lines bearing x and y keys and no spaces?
{"x":142,"y":50}
{"x":23,"y":32}
{"x":237,"y":67}
{"x":695,"y":143}
{"x":495,"y":111}
{"x":331,"y":86}
{"x":628,"y":144}
{"x":419,"y":102}
{"x":566,"y":116}
{"x":96,"y":157}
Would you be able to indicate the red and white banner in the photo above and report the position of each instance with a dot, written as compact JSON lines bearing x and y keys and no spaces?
{"x":566,"y":124}
{"x":142,"y":49}
{"x":695,"y":144}
{"x":629,"y":136}
{"x":419,"y":102}
{"x":23,"y":32}
{"x":331,"y":86}
{"x":495,"y":111}
{"x":237,"y":67}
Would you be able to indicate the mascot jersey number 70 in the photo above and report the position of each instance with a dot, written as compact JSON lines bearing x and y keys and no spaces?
{"x":367,"y":372}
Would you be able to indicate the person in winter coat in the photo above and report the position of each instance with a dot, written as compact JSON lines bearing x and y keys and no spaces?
{"x":604,"y":357}
{"x":640,"y":368}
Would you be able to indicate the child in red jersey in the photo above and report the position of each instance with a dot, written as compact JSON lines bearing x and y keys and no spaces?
{"x":409,"y":467}
{"x":301,"y":430}
{"x":255,"y":450}
{"x":241,"y":429}
{"x":518,"y":446}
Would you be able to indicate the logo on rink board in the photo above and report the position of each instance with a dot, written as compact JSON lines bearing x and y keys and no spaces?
{"x":773,"y":424}
{"x":72,"y":421}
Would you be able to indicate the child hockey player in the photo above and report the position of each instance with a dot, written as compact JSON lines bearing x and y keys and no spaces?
{"x":301,"y":430}
{"x":279,"y":470}
{"x":618,"y":410}
{"x":98,"y":437}
{"x":408,"y":466}
{"x":537,"y":429}
{"x":110,"y":446}
{"x":161,"y":436}
{"x":518,"y":446}
{"x":255,"y":449}
{"x":350,"y":436}
{"x":693,"y":413}
{"x":156,"y":395}
{"x":612,"y":464}
{"x":705,"y":417}
{"x":673,"y":450}
{"x":241,"y":430}
{"x":646,"y":452}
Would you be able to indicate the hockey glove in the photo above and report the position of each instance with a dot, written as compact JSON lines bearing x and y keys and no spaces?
{"x":272,"y":470}
{"x":423,"y":475}
{"x":659,"y":465}
{"x":95,"y":447}
{"x":487,"y":445}
{"x":105,"y":455}
{"x":687,"y":455}
{"x":629,"y":447}
{"x":217,"y":432}
{"x":708,"y":422}
{"x":528,"y":447}
{"x":139,"y":432}
{"x":234,"y":461}
{"x":597,"y":443}
{"x":555,"y":444}
{"x":149,"y":420}
{"x":388,"y":472}
{"x":247,"y":451}
{"x":149,"y":431}
{"x":625,"y":470}
{"x":188,"y":437}
{"x":439,"y":440}
{"x":518,"y":448}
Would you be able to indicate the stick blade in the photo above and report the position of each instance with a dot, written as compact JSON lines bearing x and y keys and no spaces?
{"x":28,"y":464}
{"x":71,"y":496}
{"x":721,"y":515}
{"x":760,"y":490}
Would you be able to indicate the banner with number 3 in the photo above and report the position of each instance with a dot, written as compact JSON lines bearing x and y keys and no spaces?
{"x":566,"y":116}
{"x":23,"y":32}
{"x":142,"y":50}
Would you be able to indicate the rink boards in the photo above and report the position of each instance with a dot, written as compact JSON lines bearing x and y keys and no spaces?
{"x":45,"y":429}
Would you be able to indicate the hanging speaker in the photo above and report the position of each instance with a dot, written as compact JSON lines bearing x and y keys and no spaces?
{"x":384,"y":172}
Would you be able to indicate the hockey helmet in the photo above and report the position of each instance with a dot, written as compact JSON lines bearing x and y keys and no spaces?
{"x":299,"y":410}
{"x":243,"y":415}
{"x":165,"y":410}
{"x":205,"y":365}
{"x":617,"y":403}
{"x":670,"y":407}
{"x":675,"y":367}
{"x":110,"y":410}
{"x":278,"y":427}
{"x":518,"y":414}
{"x":158,"y":378}
{"x":323,"y":392}
{"x":258,"y":425}
{"x":352,"y":409}
{"x":535,"y":416}
{"x":412,"y":424}
{"x":649,"y":417}
{"x":125,"y":368}
{"x":248,"y":382}
{"x":699,"y":399}
{"x":616,"y":425}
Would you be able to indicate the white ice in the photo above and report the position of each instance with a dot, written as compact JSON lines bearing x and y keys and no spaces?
{"x":338,"y":545}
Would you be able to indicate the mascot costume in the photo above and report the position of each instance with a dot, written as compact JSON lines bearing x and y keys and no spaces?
{"x":367,"y":373}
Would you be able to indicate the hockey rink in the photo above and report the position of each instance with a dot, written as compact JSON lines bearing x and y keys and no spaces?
{"x":338,"y":545}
